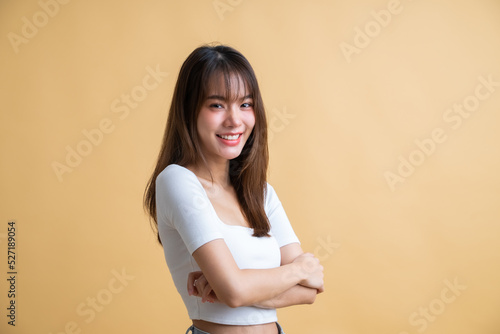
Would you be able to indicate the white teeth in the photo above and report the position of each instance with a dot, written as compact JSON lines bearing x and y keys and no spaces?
{"x":233,"y":137}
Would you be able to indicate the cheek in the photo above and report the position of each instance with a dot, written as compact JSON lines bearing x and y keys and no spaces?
{"x":206,"y":122}
{"x":250,"y":120}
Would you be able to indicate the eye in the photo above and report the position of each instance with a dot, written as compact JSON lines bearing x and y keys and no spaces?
{"x":247,"y":105}
{"x":216,"y":106}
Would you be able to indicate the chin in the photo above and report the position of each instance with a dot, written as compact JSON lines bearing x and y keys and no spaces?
{"x":231,"y":155}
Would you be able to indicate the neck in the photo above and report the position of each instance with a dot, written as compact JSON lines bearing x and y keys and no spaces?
{"x":219,"y":171}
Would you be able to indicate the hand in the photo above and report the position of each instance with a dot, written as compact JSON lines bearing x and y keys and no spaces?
{"x":312,"y":270}
{"x":198,"y":286}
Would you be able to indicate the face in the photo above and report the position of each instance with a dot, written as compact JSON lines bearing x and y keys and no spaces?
{"x":225,"y":122}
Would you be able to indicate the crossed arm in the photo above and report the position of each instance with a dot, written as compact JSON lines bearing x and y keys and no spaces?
{"x":296,"y":281}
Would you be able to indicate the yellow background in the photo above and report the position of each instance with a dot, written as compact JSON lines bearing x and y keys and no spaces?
{"x":340,"y":123}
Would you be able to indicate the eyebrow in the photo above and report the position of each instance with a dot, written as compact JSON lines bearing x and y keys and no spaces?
{"x":222,"y":98}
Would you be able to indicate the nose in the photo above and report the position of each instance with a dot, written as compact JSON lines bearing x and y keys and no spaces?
{"x":233,"y":118}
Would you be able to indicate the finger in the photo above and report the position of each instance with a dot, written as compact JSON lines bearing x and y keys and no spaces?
{"x":193,"y":276}
{"x":205,"y":294}
{"x":196,"y":291}
{"x":190,"y":281}
{"x":201,"y":282}
{"x":213,"y":297}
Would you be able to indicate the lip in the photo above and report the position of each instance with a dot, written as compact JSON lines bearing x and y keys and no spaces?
{"x":230,"y":142}
{"x":230,"y":133}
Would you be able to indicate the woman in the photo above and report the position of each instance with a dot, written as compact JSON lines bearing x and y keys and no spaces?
{"x":229,"y":246}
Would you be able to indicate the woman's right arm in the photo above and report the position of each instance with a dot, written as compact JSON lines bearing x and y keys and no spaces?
{"x":244,"y":287}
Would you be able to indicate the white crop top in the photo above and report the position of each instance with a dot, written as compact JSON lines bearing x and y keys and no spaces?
{"x":187,"y":220}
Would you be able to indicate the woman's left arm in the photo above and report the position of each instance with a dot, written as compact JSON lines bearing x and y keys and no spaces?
{"x":296,"y":295}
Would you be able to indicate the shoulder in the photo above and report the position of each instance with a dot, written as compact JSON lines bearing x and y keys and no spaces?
{"x":175,"y":175}
{"x":179,"y":182}
{"x":173,"y":171}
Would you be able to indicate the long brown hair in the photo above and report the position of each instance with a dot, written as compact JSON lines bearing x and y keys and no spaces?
{"x":181,"y":144}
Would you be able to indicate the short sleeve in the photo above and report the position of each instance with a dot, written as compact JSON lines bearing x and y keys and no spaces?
{"x":281,"y":228}
{"x":182,"y":204}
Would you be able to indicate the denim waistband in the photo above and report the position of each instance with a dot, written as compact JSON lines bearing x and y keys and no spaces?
{"x":195,"y":330}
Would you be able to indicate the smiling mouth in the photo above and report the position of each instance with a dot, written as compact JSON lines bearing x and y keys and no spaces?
{"x":229,"y":137}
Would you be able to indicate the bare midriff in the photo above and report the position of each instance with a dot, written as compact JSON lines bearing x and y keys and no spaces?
{"x":213,"y":328}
